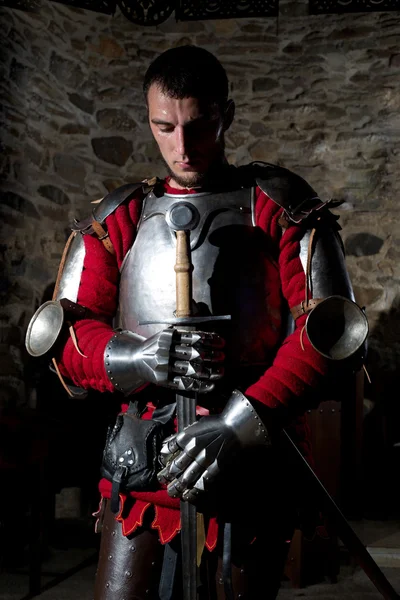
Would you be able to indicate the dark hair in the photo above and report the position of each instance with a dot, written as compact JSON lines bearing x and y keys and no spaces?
{"x":188,"y":71}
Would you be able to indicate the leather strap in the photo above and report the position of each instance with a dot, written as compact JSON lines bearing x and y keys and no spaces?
{"x":103,"y":236}
{"x":305,"y":307}
{"x":308,"y":304}
{"x":227,"y":561}
{"x":168,"y":571}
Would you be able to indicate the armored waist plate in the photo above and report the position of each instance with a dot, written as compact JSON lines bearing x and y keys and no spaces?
{"x":229,"y":257}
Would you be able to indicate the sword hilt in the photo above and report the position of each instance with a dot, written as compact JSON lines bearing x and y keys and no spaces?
{"x":183,"y":269}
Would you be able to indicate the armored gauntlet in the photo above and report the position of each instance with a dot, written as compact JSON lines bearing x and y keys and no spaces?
{"x":194,"y":457}
{"x":180,"y":360}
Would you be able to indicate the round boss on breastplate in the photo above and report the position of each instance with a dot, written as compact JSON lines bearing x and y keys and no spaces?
{"x":182,"y":216}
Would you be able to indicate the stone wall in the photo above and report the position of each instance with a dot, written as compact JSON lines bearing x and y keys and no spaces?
{"x":317,"y":94}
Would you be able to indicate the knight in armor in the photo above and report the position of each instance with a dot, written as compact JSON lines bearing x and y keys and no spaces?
{"x":274,"y":322}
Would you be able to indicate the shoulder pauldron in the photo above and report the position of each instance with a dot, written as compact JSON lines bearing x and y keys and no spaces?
{"x":288,"y":190}
{"x":107,"y":205}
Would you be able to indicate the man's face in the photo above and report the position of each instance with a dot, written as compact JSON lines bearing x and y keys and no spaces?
{"x":189,"y":134}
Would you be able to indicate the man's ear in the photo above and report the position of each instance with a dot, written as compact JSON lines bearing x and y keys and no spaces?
{"x":228,"y":114}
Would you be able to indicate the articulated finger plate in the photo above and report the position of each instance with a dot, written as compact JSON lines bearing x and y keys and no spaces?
{"x":202,"y":484}
{"x":192,"y":385}
{"x":193,"y":338}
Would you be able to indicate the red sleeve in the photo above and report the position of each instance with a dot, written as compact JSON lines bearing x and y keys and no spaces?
{"x":297,"y":368}
{"x":98,"y":291}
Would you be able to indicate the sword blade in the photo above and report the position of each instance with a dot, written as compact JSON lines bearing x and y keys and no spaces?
{"x":186,"y":414}
{"x":343,"y":528}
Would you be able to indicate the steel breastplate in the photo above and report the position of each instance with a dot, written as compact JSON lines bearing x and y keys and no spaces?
{"x":229,"y":257}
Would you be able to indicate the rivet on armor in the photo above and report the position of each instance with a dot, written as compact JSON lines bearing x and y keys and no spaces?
{"x":130,"y":462}
{"x":242,"y":571}
{"x":132,"y":548}
{"x":121,"y":459}
{"x":107,"y":585}
{"x":128,"y":573}
{"x":221,"y":581}
{"x":129,"y":452}
{"x":114,"y":533}
{"x":110,"y":557}
{"x":153,"y":563}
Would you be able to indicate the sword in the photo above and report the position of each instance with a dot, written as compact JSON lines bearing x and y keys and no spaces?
{"x":182,"y":217}
{"x":343,"y":528}
{"x":186,"y":414}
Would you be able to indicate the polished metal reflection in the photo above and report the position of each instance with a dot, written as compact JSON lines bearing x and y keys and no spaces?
{"x":182,"y":216}
{"x":229,"y":275}
{"x":44,"y":328}
{"x":68,"y":285}
{"x":328,"y":273}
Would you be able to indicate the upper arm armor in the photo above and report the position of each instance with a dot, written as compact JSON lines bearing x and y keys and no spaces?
{"x":46,"y":324}
{"x":336,"y":326}
{"x":70,"y":271}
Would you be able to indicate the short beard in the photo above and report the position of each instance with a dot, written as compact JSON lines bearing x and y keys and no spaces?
{"x":193,"y":180}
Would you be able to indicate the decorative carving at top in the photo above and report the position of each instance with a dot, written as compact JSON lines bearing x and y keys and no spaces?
{"x":192,"y":10}
{"x":101,"y":6}
{"x":28,"y":5}
{"x":344,"y":6}
{"x":146,"y":12}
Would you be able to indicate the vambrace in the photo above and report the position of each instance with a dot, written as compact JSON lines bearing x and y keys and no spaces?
{"x":240,"y":415}
{"x":131,"y":361}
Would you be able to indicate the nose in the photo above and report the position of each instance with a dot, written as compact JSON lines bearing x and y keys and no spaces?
{"x":181,"y":141}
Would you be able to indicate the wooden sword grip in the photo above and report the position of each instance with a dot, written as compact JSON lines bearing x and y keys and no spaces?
{"x":183,"y":269}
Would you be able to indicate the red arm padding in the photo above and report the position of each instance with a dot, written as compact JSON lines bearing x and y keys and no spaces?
{"x":295,"y":371}
{"x":98,"y":291}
